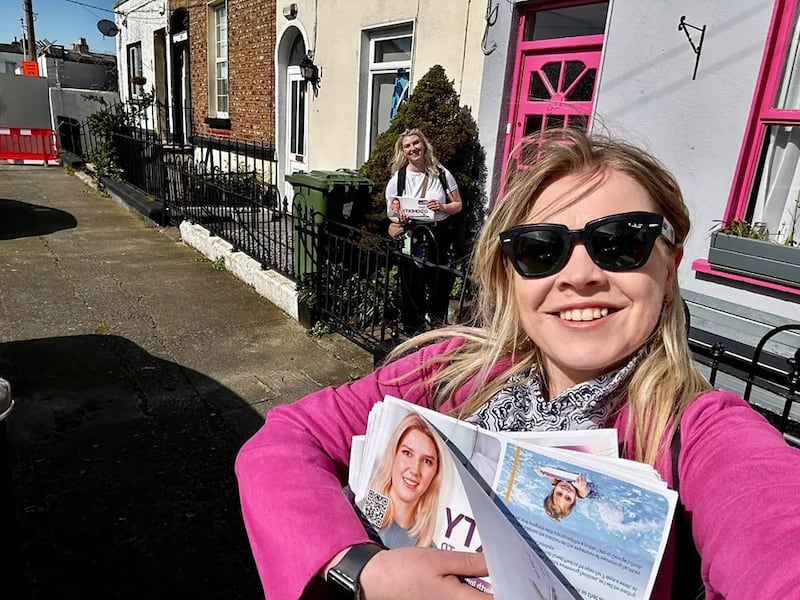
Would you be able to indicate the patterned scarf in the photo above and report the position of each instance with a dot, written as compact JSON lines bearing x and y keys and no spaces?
{"x":521,"y":406}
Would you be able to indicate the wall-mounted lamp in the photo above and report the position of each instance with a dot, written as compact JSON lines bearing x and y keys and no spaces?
{"x":311,"y":73}
{"x":290,"y":11}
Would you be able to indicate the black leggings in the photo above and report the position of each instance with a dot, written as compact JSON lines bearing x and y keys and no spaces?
{"x":426,"y":289}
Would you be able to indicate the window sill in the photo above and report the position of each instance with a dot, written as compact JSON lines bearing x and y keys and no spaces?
{"x":218,"y":123}
{"x":701,"y":265}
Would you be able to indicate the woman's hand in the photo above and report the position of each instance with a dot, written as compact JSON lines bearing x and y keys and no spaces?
{"x":414,"y":572}
{"x":582,"y":486}
{"x":435,"y":206}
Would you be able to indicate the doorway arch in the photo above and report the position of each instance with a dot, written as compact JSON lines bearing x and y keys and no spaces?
{"x":291,"y":105}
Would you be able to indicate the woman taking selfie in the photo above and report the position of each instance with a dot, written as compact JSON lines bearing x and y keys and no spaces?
{"x":579,"y":325}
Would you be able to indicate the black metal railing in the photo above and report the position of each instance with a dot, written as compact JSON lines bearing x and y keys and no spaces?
{"x":767,"y":375}
{"x":239,"y":207}
{"x":142,"y":159}
{"x":356,"y":284}
{"x":139,"y":139}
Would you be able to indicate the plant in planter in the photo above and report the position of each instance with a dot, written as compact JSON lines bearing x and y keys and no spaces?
{"x":743,"y":228}
{"x":794,"y":218}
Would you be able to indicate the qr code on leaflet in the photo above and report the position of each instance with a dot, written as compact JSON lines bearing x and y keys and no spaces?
{"x":375,"y":507}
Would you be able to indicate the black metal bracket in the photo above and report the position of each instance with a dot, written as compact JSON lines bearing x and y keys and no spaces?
{"x":682,"y":26}
{"x":491,"y":19}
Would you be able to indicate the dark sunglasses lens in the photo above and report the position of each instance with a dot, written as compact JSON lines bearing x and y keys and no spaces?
{"x":622,"y":245}
{"x":538,"y":252}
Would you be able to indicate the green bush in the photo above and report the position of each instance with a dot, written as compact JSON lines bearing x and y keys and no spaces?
{"x":434,"y":108}
{"x":103,"y":125}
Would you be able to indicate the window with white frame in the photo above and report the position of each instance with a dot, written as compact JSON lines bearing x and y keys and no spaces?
{"x":767,"y":187}
{"x":389,"y":71}
{"x":136,"y":78}
{"x":218,"y":46}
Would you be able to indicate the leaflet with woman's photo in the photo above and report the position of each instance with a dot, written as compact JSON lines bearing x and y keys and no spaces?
{"x":551,"y":521}
{"x":406,"y":486}
{"x":416,"y":208}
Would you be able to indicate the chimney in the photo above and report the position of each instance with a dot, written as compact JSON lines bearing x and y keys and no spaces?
{"x":81,"y":46}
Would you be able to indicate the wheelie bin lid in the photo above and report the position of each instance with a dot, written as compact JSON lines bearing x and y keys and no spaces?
{"x":328,"y":180}
{"x":6,"y":401}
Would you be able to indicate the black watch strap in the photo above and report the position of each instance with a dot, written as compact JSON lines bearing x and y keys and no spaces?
{"x":343,"y":577}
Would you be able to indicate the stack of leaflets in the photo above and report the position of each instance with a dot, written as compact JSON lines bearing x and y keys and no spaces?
{"x":557,"y":514}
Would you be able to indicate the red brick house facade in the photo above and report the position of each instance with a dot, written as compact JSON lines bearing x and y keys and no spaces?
{"x":250,"y":98}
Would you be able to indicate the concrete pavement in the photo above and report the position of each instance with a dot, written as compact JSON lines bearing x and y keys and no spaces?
{"x":138,"y":369}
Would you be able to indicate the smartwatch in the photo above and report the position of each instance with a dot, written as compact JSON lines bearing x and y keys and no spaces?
{"x":343,"y":577}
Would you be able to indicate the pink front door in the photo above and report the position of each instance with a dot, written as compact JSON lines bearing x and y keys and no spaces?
{"x":555,"y":87}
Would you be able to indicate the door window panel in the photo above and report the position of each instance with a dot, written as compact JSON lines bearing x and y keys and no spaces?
{"x":297,"y":141}
{"x":583,"y":89}
{"x":555,"y":122}
{"x":538,"y":89}
{"x":552,"y":72}
{"x":392,"y":50}
{"x":533,"y":124}
{"x":566,"y":22}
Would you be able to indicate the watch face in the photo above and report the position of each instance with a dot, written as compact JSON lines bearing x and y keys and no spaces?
{"x":342,"y":586}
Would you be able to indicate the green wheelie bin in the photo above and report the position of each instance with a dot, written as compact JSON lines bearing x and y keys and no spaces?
{"x":339,"y":196}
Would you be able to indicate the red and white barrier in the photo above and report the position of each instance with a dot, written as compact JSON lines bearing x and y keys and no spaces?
{"x":19,"y":145}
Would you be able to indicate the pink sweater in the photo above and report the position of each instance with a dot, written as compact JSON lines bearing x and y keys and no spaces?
{"x":738,"y":480}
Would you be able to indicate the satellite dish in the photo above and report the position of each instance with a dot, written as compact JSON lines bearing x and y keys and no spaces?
{"x":107,"y":28}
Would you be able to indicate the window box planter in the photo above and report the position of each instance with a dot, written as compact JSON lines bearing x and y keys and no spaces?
{"x":758,"y":259}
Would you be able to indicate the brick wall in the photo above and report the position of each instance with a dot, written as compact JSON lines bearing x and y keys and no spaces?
{"x":251,"y":78}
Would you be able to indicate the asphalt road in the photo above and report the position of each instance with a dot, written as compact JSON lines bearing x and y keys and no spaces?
{"x":138,"y":370}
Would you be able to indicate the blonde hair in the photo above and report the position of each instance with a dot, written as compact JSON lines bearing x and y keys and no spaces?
{"x":400,"y":160}
{"x":666,"y":379}
{"x":425,"y":512}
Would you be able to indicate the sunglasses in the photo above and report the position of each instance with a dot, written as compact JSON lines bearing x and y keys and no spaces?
{"x":621,"y":242}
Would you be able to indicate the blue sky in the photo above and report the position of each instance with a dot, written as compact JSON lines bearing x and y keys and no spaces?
{"x":60,"y":21}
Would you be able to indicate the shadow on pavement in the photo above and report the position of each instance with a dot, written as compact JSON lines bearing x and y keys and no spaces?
{"x":21,"y":219}
{"x":122,"y":475}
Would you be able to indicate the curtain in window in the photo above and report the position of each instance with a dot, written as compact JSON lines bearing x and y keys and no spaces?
{"x":400,"y":93}
{"x":779,"y":182}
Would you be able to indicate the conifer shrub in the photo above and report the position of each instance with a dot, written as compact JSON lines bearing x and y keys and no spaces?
{"x":434,"y":108}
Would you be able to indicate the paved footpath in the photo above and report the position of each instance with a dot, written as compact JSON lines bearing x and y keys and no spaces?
{"x":138,"y":370}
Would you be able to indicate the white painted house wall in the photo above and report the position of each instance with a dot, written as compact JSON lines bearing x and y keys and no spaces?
{"x":137,"y":21}
{"x":696,"y":127}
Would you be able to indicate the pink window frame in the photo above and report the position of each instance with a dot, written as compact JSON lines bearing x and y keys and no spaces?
{"x":762,"y":114}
